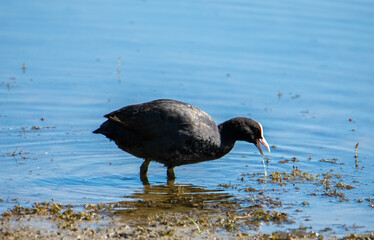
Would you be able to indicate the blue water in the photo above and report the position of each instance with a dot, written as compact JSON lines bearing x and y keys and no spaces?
{"x":302,"y":69}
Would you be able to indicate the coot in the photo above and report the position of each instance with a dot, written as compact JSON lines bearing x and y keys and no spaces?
{"x":175,"y":133}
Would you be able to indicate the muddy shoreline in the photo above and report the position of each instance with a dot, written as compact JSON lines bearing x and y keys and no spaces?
{"x":173,"y":211}
{"x":139,"y":220}
{"x":183,"y":216}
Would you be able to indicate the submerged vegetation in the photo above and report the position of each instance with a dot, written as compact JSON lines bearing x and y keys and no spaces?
{"x":200,"y":214}
{"x":327,"y":184}
{"x":141,"y":220}
{"x":177,"y":211}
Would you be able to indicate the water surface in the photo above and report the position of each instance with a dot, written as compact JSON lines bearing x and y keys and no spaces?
{"x":302,"y":69}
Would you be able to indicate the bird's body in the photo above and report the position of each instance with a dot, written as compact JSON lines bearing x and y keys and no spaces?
{"x":175,"y":133}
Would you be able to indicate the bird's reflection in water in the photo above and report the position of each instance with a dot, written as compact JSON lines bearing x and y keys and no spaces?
{"x":172,"y":198}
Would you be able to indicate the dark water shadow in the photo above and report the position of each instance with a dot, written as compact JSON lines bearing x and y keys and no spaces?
{"x":172,"y":198}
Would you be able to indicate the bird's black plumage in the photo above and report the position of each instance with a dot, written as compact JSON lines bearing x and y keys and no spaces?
{"x":175,"y":133}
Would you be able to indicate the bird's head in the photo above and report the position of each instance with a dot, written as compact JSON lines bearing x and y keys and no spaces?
{"x":246,"y":129}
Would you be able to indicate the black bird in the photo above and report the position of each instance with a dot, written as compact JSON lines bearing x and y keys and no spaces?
{"x":175,"y":133}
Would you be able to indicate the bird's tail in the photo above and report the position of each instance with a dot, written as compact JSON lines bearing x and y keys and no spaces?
{"x":108,"y":129}
{"x":97,"y":131}
{"x":105,"y":128}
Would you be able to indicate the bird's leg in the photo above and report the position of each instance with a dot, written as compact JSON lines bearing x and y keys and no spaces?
{"x":144,"y":167}
{"x":143,"y":171}
{"x":170,"y":173}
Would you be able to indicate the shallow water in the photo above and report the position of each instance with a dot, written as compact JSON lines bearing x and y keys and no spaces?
{"x":301,"y":69}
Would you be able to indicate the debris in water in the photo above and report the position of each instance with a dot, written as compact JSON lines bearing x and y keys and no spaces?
{"x":279,"y":95}
{"x":296,"y":96}
{"x":356,"y":157}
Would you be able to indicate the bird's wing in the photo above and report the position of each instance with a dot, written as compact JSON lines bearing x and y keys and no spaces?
{"x":153,"y":120}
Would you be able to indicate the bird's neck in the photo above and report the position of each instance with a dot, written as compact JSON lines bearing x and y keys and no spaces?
{"x":227,"y":138}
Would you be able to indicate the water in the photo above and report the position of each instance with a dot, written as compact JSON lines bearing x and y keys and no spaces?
{"x":302,"y":69}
